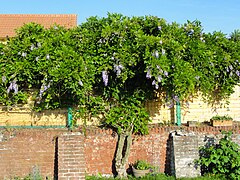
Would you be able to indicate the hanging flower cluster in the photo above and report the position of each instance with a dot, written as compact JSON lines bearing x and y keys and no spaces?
{"x":13,"y":86}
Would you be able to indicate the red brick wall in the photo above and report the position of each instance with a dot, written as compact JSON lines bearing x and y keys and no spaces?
{"x":71,"y":161}
{"x":21,"y":150}
{"x":100,"y":147}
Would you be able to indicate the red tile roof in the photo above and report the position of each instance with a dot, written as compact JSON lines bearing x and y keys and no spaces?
{"x":10,"y":22}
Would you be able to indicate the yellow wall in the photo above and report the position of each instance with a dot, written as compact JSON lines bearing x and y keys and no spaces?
{"x":197,"y":111}
{"x":25,"y":117}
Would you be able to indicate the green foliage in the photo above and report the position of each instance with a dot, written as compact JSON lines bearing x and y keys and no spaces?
{"x":128,"y":115}
{"x":47,"y":61}
{"x":225,"y":117}
{"x":142,"y":165}
{"x":102,"y":65}
{"x":222,"y":158}
{"x":159,"y":176}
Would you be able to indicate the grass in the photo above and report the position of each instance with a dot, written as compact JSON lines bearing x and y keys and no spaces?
{"x":156,"y":177}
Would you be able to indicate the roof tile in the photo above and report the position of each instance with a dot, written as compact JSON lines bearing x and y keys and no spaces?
{"x":10,"y":22}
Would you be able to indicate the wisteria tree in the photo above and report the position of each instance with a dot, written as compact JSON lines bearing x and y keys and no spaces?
{"x":47,"y":62}
{"x":113,"y":65}
{"x":140,"y":56}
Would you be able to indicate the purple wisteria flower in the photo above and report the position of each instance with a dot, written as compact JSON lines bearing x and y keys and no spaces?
{"x":231,"y":67}
{"x":80,"y":83}
{"x":43,"y":88}
{"x":105,"y":77}
{"x":159,"y":78}
{"x":237,"y":73}
{"x":165,"y":73}
{"x":24,"y":54}
{"x":148,"y":75}
{"x":4,"y":79}
{"x":175,"y":98}
{"x":154,"y":83}
{"x":118,"y":69}
{"x":13,"y":86}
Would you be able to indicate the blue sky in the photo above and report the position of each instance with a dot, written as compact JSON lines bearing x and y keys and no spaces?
{"x":215,"y":15}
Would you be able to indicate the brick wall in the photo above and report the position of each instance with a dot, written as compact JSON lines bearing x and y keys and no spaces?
{"x":155,"y":148}
{"x":71,"y":156}
{"x":23,"y":150}
{"x":52,"y":150}
{"x":185,"y":149}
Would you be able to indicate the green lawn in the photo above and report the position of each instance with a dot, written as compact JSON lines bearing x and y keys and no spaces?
{"x":158,"y":176}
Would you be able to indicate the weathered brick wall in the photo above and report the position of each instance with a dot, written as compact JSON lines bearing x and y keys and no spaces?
{"x":22,"y":150}
{"x":185,"y":149}
{"x":71,"y":156}
{"x":155,"y":147}
{"x":100,"y":150}
{"x":54,"y":151}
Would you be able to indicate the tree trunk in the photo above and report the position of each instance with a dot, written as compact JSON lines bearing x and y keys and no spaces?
{"x":122,"y":154}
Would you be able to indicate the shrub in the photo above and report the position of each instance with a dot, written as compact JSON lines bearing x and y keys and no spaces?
{"x":222,"y":158}
{"x":225,"y":117}
{"x":142,"y":165}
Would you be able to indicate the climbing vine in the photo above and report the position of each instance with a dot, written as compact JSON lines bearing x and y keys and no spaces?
{"x":113,"y":64}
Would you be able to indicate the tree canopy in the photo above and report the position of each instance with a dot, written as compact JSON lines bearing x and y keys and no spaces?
{"x":112,"y":65}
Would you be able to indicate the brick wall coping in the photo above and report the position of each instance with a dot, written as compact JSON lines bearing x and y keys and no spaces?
{"x":168,"y":129}
{"x":154,"y":129}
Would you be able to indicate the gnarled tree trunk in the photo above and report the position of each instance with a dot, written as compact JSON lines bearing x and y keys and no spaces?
{"x":122,"y":153}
